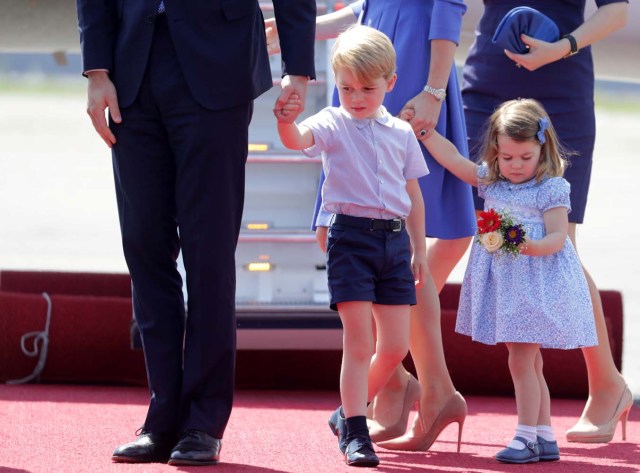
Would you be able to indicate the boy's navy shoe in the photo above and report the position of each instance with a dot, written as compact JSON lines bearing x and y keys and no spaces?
{"x":549,"y":451}
{"x":338,"y":425}
{"x":529,"y":454}
{"x":360,"y":452}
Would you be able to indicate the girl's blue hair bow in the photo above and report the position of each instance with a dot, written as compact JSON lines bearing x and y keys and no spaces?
{"x":543,"y":123}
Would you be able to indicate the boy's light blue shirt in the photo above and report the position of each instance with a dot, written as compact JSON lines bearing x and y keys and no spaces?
{"x":366,"y":164}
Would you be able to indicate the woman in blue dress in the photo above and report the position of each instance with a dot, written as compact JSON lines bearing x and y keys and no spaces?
{"x":559,"y":75}
{"x":425,"y":34}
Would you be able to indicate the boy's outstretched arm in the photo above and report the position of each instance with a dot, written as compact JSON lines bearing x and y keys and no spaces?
{"x":448,"y":156}
{"x":415,"y":228}
{"x":294,"y":136}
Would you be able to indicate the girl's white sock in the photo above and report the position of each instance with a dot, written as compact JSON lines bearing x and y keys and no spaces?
{"x":546,"y":432}
{"x":527,"y":432}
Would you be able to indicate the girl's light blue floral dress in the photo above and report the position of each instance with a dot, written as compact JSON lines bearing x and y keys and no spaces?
{"x":526,"y":299}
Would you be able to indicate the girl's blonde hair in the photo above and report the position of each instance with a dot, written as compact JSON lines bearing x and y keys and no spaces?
{"x":523,"y":120}
{"x":366,"y":52}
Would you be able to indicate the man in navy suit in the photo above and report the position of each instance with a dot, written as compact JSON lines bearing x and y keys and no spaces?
{"x":179,"y":78}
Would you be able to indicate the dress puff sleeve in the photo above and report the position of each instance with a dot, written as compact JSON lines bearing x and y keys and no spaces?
{"x":446,"y":20}
{"x":554,"y":192}
{"x":481,"y":172}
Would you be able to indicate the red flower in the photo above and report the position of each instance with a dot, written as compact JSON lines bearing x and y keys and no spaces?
{"x":489,"y":221}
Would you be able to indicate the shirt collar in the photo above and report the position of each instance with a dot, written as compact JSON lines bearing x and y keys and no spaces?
{"x":383,"y":119}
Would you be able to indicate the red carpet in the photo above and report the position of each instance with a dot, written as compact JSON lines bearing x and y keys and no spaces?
{"x":54,"y":428}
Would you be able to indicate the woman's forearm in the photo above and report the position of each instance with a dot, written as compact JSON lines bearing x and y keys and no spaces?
{"x":332,"y":24}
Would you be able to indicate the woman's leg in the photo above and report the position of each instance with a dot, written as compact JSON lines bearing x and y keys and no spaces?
{"x":392,"y":344}
{"x":606,"y":384}
{"x":425,"y":342}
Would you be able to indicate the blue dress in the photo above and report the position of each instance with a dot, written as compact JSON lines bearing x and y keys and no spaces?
{"x":526,"y":299}
{"x":411,"y":24}
{"x":564,"y":87}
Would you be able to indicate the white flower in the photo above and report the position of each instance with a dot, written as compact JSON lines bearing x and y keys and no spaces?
{"x":492,"y":241}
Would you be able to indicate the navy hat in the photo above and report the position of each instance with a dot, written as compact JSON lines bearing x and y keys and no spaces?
{"x":528,"y":21}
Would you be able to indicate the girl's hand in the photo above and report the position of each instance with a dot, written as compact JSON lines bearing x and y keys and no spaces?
{"x":321,"y":238}
{"x":273,"y":40}
{"x":524,"y":247}
{"x":422,"y":112}
{"x":540,"y":53}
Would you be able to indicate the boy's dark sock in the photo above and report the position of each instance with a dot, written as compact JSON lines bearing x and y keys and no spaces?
{"x":357,"y":427}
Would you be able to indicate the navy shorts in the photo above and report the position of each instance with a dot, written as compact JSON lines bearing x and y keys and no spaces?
{"x":369,"y":260}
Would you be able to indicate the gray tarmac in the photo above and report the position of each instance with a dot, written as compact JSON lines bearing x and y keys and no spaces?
{"x":58,"y":211}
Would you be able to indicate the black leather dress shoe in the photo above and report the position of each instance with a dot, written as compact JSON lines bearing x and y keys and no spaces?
{"x":147,"y":448}
{"x":338,"y":425}
{"x":196,"y":448}
{"x":360,"y":452}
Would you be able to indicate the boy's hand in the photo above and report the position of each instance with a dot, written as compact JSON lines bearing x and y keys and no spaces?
{"x":292,"y":105}
{"x":420,"y":268}
{"x":291,"y":86}
{"x":321,"y":237}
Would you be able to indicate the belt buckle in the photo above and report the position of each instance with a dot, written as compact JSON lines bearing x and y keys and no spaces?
{"x":396,"y":225}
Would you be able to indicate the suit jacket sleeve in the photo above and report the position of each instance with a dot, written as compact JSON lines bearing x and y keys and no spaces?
{"x":97,"y":23}
{"x":296,"y":21}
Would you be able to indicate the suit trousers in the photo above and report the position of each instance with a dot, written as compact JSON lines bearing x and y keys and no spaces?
{"x":179,"y":173}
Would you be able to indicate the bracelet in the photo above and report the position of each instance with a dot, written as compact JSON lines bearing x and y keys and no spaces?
{"x":573,"y":43}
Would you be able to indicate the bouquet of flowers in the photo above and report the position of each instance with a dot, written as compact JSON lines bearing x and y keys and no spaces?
{"x":496,"y":231}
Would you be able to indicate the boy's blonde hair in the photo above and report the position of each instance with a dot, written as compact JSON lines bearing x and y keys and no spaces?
{"x":366,"y":52}
{"x":523,"y":120}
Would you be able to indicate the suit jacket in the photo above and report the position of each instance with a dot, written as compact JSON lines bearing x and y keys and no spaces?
{"x":220,"y":44}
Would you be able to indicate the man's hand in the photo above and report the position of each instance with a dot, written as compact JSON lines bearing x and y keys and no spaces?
{"x":296,"y":85}
{"x":102,"y":95}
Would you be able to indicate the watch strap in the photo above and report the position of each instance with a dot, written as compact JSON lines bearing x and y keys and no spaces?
{"x":573,"y":43}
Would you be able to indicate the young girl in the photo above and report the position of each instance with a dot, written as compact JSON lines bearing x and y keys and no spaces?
{"x":539,"y":298}
{"x":376,"y":250}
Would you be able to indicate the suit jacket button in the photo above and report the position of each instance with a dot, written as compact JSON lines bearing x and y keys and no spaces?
{"x":150,"y":19}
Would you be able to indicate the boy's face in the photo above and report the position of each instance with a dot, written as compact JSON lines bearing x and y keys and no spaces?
{"x":361,"y":100}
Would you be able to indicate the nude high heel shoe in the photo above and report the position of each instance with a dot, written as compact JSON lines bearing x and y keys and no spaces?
{"x":586,"y":432}
{"x":379,"y":433}
{"x":455,"y":410}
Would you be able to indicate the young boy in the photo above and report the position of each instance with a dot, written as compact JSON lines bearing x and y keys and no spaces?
{"x":371,"y":162}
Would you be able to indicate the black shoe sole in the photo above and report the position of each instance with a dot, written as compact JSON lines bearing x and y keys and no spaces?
{"x":366,"y":463}
{"x":175,"y":462}
{"x":125,"y":459}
